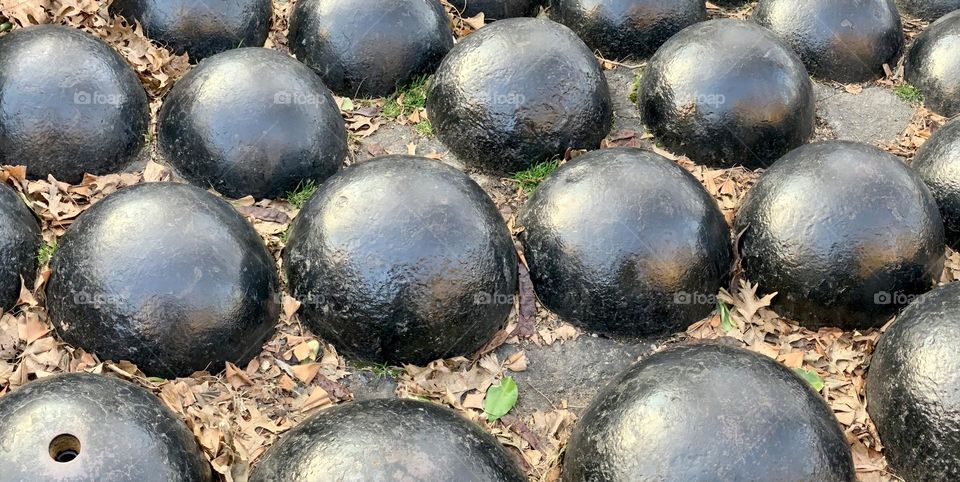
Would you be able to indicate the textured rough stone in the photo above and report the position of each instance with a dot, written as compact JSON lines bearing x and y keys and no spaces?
{"x":70,"y":104}
{"x":625,"y":242}
{"x":229,"y":126}
{"x":627,"y":29}
{"x":494,"y":101}
{"x":498,"y":9}
{"x":913,"y":388}
{"x":844,"y":232}
{"x":370,"y":47}
{"x":873,"y":116}
{"x":200,"y":28}
{"x":167,"y":276}
{"x":727,"y":92}
{"x":669,"y":417}
{"x":938,"y":163}
{"x":933,"y":65}
{"x":403,"y":260}
{"x":387,"y":440}
{"x":84,"y":427}
{"x":846,"y":41}
{"x":19,"y":242}
{"x":928,"y":10}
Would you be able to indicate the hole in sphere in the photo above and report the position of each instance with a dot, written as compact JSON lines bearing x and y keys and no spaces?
{"x":64,"y":448}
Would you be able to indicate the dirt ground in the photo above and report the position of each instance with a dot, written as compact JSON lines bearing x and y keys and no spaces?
{"x":237,"y":414}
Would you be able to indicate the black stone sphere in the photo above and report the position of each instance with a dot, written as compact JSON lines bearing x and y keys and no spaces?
{"x":845,"y":41}
{"x":670,"y":417}
{"x":730,"y":3}
{"x":844,"y":232}
{"x":369,"y":48}
{"x":626,"y":242}
{"x":517,"y":92}
{"x":70,"y":104}
{"x":928,"y":10}
{"x":402,"y":259}
{"x":627,"y":29}
{"x":497,"y":9}
{"x":913,"y":388}
{"x":387,"y":439}
{"x":938,"y":163}
{"x":84,"y":427}
{"x":167,"y":276}
{"x":200,"y":28}
{"x":19,"y":241}
{"x":727,"y":92}
{"x":933,"y":65}
{"x":254,"y":122}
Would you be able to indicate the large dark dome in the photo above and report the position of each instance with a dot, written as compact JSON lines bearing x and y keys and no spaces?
{"x":845,"y":41}
{"x":228,"y":126}
{"x":402,"y":259}
{"x":498,"y":9}
{"x":845,"y":233}
{"x":913,"y":388}
{"x":938,"y":163}
{"x":83,"y":427}
{"x":167,"y":276}
{"x":70,"y":104}
{"x":627,"y":29}
{"x":626,"y":242}
{"x":670,"y":417}
{"x":727,"y":92}
{"x":369,"y":48}
{"x":387,"y":439}
{"x":200,"y":28}
{"x":933,"y":65}
{"x":495,"y":100}
{"x":19,"y":242}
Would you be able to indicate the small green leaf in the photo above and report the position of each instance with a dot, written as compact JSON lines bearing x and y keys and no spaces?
{"x":811,"y":377}
{"x":347,"y":104}
{"x":156,"y":380}
{"x":726,"y":324}
{"x":500,"y":399}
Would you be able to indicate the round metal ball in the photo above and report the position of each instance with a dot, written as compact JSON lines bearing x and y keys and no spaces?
{"x":517,"y":92}
{"x":81,"y":426}
{"x":913,"y":388}
{"x":933,"y":65}
{"x":167,"y":276}
{"x":387,"y":439}
{"x":928,"y":10}
{"x":498,"y":9}
{"x":369,"y":48}
{"x":845,"y":233}
{"x":228,"y":126}
{"x":845,"y":41}
{"x":19,"y":241}
{"x":626,"y":242}
{"x":70,"y":104}
{"x":403,"y":260}
{"x":200,"y":28}
{"x":727,"y":92}
{"x":669,"y":417}
{"x":627,"y":29}
{"x":938,"y":163}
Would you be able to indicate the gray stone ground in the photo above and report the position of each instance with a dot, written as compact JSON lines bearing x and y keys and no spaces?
{"x":574,"y":371}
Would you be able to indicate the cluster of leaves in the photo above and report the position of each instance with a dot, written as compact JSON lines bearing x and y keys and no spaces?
{"x":528,"y":179}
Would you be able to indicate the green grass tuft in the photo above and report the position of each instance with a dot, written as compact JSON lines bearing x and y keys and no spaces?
{"x":635,"y":87}
{"x":298,"y":197}
{"x":407,"y":100}
{"x":46,"y":251}
{"x":530,"y":178}
{"x":425,"y":128}
{"x":908,"y":93}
